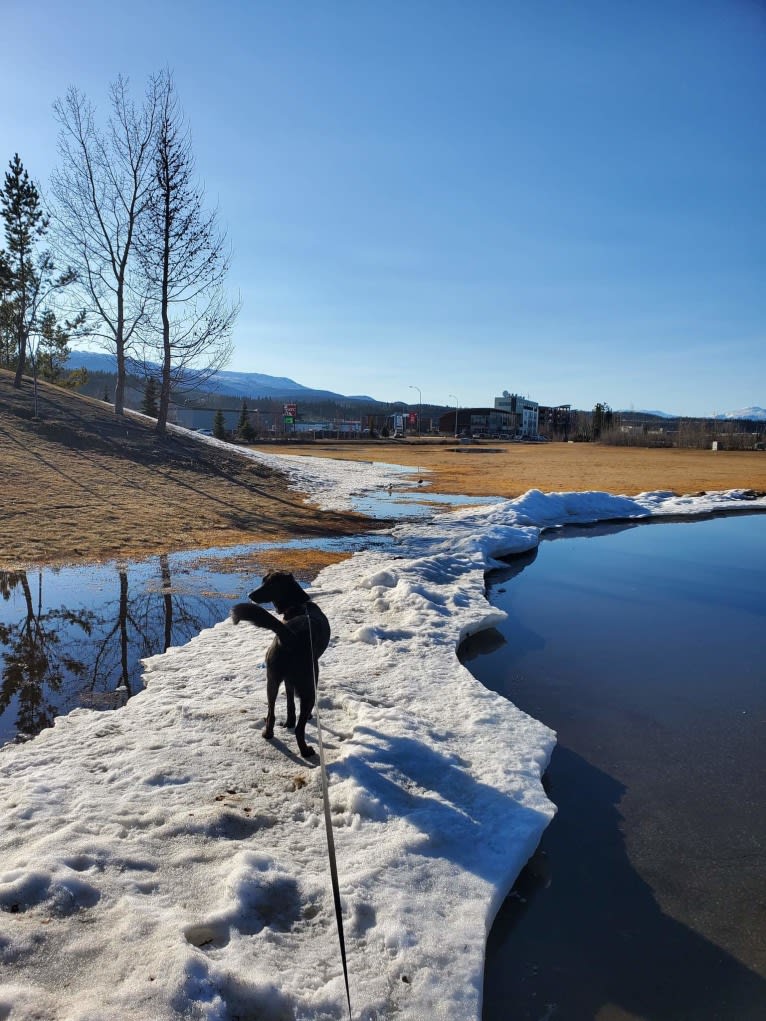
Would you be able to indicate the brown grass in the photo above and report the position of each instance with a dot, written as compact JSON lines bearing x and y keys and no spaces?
{"x":80,"y":484}
{"x":510,"y":469}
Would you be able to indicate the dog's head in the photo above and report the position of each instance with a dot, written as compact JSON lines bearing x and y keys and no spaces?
{"x":281,"y":589}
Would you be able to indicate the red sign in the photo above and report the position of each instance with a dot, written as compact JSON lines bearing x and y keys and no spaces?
{"x":291,"y":410}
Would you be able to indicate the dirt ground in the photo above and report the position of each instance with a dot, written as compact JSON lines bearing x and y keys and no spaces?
{"x":81,"y":484}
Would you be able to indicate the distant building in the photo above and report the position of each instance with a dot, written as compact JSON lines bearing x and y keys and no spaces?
{"x":201,"y":418}
{"x":478,"y":422}
{"x":555,"y":421}
{"x":524,"y":411}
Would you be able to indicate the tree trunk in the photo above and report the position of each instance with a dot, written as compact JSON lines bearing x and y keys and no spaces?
{"x":21,"y":335}
{"x":22,"y":362}
{"x":162,"y":415}
{"x":119,"y":388}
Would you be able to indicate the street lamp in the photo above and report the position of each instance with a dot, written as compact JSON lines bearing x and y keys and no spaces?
{"x":456,"y":407}
{"x":420,"y":404}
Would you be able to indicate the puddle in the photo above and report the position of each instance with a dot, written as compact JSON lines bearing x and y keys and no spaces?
{"x":75,"y":636}
{"x":401,"y":504}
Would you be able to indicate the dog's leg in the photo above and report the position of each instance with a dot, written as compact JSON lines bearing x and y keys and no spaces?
{"x":307,"y":704}
{"x":290,"y":693}
{"x":273,"y":680}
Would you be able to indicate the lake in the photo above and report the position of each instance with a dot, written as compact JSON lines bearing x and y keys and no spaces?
{"x":643,"y":647}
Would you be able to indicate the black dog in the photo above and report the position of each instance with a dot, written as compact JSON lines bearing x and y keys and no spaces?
{"x":294,"y":654}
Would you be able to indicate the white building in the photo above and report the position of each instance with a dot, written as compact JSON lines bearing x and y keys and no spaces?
{"x":526,"y":412}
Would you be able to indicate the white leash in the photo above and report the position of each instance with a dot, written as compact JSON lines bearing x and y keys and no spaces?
{"x":328,"y":825}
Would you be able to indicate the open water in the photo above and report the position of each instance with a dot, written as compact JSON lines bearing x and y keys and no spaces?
{"x":643,"y":647}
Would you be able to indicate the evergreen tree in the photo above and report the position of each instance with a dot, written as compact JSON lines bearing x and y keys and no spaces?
{"x":25,"y":224}
{"x":49,"y":355}
{"x":149,"y":403}
{"x":29,"y":327}
{"x":601,"y":420}
{"x":219,"y":426}
{"x":245,"y":430}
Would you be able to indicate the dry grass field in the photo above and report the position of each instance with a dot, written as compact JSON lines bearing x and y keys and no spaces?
{"x":80,"y":484}
{"x":510,"y":469}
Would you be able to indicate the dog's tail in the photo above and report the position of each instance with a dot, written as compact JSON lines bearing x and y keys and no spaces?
{"x":261,"y":618}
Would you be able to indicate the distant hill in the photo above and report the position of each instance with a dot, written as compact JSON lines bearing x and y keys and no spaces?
{"x":754,"y":414}
{"x":231,"y":384}
{"x":745,"y":415}
{"x":657,"y":414}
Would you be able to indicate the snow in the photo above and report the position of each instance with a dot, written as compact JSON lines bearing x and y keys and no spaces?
{"x":163,"y":861}
{"x":751,"y":414}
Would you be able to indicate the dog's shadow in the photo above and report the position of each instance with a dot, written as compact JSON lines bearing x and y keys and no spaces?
{"x":278,"y":744}
{"x":285,"y":747}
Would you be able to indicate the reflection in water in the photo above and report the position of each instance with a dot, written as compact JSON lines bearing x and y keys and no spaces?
{"x":81,"y":639}
{"x":87,"y":652}
{"x":38,"y":658}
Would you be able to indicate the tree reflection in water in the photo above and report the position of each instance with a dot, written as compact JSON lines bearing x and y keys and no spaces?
{"x":55,"y":659}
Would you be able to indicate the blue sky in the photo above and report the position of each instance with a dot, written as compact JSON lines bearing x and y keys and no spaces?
{"x":564,"y":200}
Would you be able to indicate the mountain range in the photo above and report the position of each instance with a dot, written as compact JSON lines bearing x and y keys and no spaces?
{"x":753,"y":414}
{"x":256,"y":384}
{"x":230,"y":384}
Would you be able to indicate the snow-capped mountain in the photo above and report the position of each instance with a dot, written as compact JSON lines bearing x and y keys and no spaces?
{"x":753,"y":414}
{"x":232,"y":384}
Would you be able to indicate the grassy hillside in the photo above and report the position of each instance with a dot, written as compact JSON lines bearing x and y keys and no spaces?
{"x":80,"y":483}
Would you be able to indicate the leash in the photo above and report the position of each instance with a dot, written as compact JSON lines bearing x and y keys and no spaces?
{"x":328,"y":825}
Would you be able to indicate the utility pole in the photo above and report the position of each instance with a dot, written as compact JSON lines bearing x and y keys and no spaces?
{"x":456,"y":407}
{"x":420,"y":404}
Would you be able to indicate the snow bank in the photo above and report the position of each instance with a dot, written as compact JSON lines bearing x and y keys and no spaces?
{"x":163,"y":861}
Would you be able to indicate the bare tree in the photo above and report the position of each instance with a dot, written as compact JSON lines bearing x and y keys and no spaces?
{"x":101,"y":188}
{"x":184,"y":258}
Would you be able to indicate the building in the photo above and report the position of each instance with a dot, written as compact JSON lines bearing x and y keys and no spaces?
{"x":478,"y":422}
{"x":524,"y":411}
{"x":555,"y":422}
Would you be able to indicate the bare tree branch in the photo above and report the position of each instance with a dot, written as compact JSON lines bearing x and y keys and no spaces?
{"x":101,"y":188}
{"x":184,"y":258}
